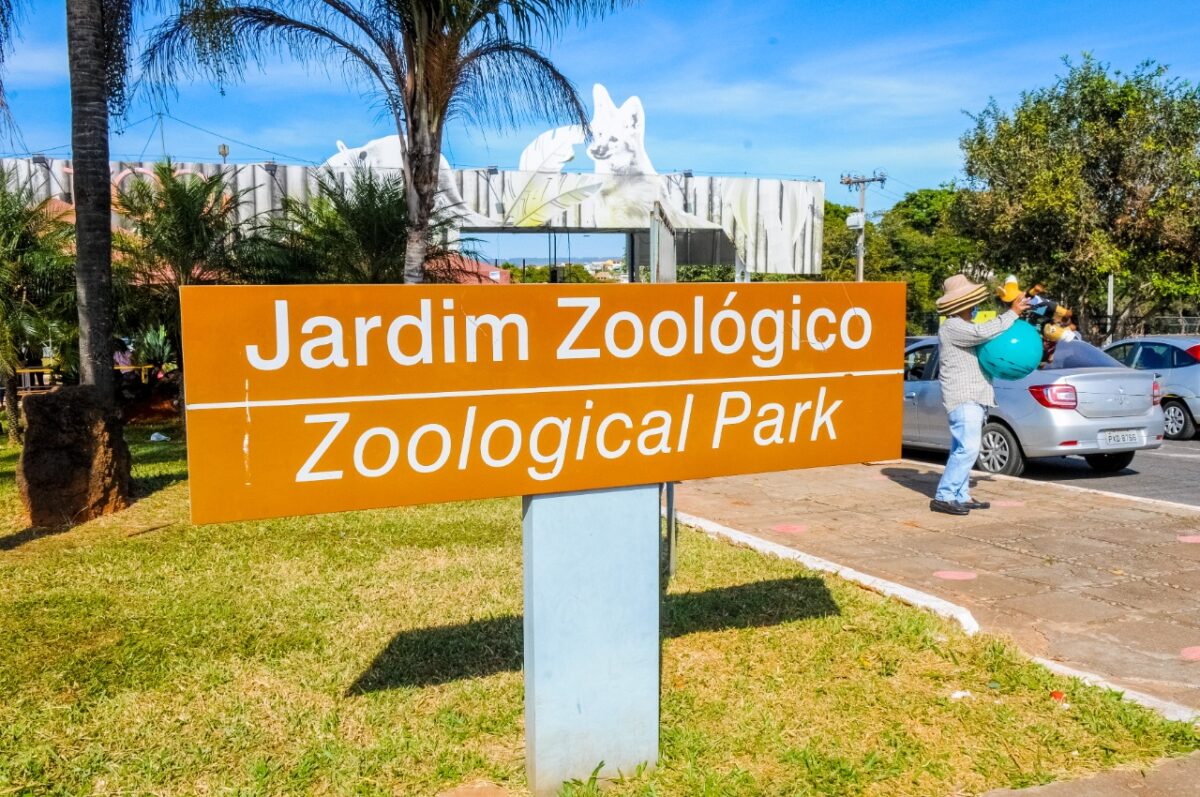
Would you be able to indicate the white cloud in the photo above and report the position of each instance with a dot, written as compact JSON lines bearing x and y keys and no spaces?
{"x":33,"y":66}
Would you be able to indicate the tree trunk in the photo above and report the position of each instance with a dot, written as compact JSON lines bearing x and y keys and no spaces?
{"x":12,"y":384}
{"x":92,"y":191}
{"x":109,"y":482}
{"x":421,"y":186}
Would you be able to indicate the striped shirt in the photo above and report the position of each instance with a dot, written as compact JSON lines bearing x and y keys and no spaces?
{"x":958,"y":364}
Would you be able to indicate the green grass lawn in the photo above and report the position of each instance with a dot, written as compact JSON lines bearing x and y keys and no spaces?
{"x":380,"y":653}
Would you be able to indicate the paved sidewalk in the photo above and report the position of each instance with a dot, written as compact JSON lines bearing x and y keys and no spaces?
{"x":1101,"y":584}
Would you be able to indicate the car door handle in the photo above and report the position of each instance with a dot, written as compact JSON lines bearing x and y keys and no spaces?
{"x":910,"y":395}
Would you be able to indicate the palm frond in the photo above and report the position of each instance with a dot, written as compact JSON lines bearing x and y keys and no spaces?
{"x":529,"y":21}
{"x":348,"y":232}
{"x":502,"y":83}
{"x":219,"y":41}
{"x":36,"y":268}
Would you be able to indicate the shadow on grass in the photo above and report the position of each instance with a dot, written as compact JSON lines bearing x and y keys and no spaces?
{"x":10,"y":542}
{"x":430,"y":656}
{"x":156,"y":465}
{"x":145,"y":486}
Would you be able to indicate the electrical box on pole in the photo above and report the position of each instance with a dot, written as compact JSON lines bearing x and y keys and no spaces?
{"x":860,"y":219}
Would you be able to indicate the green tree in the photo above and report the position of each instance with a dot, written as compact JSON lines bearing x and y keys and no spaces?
{"x":425,"y":59}
{"x":568,"y":272}
{"x":926,"y":246}
{"x":1097,"y":174}
{"x":35,"y":282}
{"x":183,"y":230}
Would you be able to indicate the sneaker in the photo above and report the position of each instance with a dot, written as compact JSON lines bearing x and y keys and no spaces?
{"x":977,"y":505}
{"x":948,"y":507}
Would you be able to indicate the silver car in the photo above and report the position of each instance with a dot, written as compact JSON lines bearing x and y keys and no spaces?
{"x":1176,"y":359}
{"x":1083,"y":403}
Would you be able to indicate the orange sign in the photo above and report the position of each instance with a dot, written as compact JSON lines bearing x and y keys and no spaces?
{"x":309,"y":399}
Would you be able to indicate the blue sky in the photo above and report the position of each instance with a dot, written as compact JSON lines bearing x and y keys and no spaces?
{"x":774,"y":87}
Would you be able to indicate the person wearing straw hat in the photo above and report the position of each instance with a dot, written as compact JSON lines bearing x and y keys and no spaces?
{"x":966,"y":392}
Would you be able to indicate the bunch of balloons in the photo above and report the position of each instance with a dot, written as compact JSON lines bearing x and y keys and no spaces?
{"x":1031,"y":340}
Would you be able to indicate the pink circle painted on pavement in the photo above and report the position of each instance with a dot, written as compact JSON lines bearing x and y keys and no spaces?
{"x":1194,"y":539}
{"x":790,"y":528}
{"x":1008,"y":504}
{"x":955,"y":575}
{"x":1190,"y":654}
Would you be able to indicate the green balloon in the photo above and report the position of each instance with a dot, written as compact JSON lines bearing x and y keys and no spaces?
{"x":1013,"y":355}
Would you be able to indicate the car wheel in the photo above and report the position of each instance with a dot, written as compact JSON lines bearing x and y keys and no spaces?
{"x":999,"y":451}
{"x":1177,"y":421}
{"x":1109,"y":463}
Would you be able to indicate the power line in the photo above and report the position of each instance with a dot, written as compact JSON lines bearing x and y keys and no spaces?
{"x":240,"y":143}
{"x":149,"y":138}
{"x":909,"y":185}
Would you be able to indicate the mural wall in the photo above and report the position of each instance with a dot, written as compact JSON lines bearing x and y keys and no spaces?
{"x":773,"y":226}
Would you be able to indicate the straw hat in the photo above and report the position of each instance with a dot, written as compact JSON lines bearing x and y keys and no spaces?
{"x":960,"y":294}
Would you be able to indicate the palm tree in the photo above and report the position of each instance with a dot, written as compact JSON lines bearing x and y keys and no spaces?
{"x":184,"y":230}
{"x":353,"y":231}
{"x":426,"y":60}
{"x":98,"y":38}
{"x":35,"y":282}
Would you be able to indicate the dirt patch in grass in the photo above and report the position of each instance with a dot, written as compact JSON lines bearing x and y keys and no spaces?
{"x":379,"y":653}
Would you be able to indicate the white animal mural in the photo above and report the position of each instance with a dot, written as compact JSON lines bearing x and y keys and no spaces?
{"x":618,"y":136}
{"x":775,"y":225}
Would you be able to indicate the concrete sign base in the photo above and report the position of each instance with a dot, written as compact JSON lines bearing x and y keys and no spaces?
{"x":591,"y":633}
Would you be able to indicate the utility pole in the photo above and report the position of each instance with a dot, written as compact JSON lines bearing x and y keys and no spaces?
{"x":862,"y":181}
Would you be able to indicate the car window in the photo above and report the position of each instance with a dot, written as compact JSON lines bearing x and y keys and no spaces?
{"x":931,"y":370}
{"x":1079,"y":354}
{"x":1155,"y":356}
{"x":918,"y":363}
{"x":1182,"y":359}
{"x":1123,"y":353}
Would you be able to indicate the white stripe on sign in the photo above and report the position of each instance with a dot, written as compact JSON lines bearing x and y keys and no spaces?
{"x":517,"y":391}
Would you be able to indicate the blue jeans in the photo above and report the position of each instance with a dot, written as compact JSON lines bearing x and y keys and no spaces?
{"x":966,"y":431}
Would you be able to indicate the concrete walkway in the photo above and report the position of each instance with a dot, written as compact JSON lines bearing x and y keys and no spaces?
{"x":1101,"y":584}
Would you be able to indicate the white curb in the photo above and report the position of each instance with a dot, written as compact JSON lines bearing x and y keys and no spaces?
{"x":1170,"y":710}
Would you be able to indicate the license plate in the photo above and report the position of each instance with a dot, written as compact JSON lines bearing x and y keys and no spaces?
{"x":1124,"y":437}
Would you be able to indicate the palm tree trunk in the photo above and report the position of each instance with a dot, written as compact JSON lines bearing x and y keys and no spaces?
{"x":12,"y":384}
{"x":421,"y":185}
{"x":92,"y":191}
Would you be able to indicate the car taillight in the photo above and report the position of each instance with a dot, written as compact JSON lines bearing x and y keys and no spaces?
{"x":1157,"y":394}
{"x":1056,"y":397}
{"x":1194,"y":351}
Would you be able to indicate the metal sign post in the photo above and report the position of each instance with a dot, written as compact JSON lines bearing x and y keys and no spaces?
{"x":591,"y":634}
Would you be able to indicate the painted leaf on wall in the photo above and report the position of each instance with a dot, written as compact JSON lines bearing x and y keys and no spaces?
{"x":552,"y":150}
{"x":546,"y":195}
